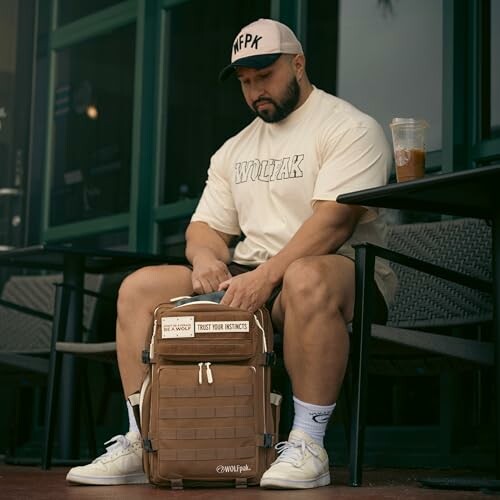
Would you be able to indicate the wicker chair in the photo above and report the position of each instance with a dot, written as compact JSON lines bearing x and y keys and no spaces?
{"x":30,"y":346}
{"x":26,"y":309}
{"x":444,"y":273}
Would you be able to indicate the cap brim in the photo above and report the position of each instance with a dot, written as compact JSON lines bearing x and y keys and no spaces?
{"x":256,"y":62}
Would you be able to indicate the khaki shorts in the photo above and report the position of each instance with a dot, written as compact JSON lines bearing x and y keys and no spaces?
{"x":379,"y":305}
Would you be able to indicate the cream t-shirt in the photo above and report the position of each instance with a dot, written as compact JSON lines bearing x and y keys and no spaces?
{"x":264,"y":181}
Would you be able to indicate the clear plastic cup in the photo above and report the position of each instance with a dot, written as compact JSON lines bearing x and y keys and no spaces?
{"x":408,"y":138}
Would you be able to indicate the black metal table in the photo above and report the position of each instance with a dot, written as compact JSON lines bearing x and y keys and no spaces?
{"x":471,"y":193}
{"x":74,"y":262}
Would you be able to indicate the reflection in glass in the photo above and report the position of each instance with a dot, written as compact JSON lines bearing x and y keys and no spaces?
{"x":68,"y":11}
{"x":16,"y":57}
{"x":386,"y":67}
{"x":201,"y":112}
{"x":172,"y":242}
{"x":114,"y":240}
{"x":322,"y":43}
{"x":93,"y":128}
{"x":495,"y":69}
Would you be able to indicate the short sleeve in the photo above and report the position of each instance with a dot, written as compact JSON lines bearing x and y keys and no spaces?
{"x":357,"y":158}
{"x":216,"y":206}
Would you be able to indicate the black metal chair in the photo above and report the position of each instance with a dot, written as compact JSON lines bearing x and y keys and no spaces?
{"x":444,"y":272}
{"x":30,"y":342}
{"x":90,"y":348}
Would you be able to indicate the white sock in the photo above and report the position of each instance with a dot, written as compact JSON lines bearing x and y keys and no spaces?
{"x":132,"y":422}
{"x":312,"y":419}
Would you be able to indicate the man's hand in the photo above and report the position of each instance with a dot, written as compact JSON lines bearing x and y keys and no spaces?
{"x":247,"y":291}
{"x":207,"y":250}
{"x":208,"y":274}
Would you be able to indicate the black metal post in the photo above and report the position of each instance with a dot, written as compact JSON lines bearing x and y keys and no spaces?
{"x":364,"y":266}
{"x":69,"y":401}
{"x":496,"y":328}
{"x":58,"y":326}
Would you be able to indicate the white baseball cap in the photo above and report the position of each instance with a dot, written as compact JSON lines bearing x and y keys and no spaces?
{"x":260,"y":44}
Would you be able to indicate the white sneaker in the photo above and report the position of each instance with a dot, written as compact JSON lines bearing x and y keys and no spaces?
{"x":302,"y":463}
{"x":121,"y":464}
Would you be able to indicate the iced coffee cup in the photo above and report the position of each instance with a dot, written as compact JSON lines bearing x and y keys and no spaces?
{"x":408,"y":137}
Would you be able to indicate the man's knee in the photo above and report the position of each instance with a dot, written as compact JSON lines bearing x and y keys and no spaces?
{"x":320,"y":284}
{"x":148,"y":286}
{"x":131,"y":287}
{"x":304,"y":282}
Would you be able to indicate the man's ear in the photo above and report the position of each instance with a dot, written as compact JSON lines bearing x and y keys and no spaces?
{"x":299,"y":65}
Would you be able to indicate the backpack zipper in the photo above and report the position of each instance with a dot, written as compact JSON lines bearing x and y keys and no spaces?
{"x":210,"y":377}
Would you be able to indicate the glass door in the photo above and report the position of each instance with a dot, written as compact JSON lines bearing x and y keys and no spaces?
{"x":16,"y":62}
{"x":93,"y":72}
{"x":198,"y":113}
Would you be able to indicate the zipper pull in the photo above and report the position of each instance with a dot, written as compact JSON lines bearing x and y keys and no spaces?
{"x":210,"y":378}
{"x":261,"y":328}
{"x":152,"y":342}
{"x":200,"y":374}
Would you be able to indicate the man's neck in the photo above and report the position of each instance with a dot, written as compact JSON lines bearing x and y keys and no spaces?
{"x":305,"y":91}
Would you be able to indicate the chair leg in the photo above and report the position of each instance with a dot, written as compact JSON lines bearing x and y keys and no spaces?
{"x":356,"y":435}
{"x":14,"y":417}
{"x":365,"y":262}
{"x":345,"y":405}
{"x":91,"y":439}
{"x":51,"y":406}
{"x":54,"y":377}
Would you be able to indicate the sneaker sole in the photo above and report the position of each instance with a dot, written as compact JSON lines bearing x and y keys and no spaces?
{"x":281,"y":483}
{"x":107,"y":480}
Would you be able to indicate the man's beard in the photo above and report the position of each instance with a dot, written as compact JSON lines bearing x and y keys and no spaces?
{"x":283,"y":108}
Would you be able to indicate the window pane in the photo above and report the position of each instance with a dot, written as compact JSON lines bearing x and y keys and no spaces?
{"x":495,"y":68}
{"x":115,"y":240}
{"x":93,"y":128}
{"x":322,"y":44}
{"x":9,"y":188}
{"x":390,"y":60}
{"x":201,"y":112}
{"x":74,"y":9}
{"x":16,"y":56}
{"x":172,"y":242}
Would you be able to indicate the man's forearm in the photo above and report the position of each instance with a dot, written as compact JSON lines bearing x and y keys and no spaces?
{"x":203,"y":241}
{"x":323,"y":233}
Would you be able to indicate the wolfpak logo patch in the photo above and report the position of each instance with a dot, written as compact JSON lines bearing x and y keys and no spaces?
{"x":221,"y":469}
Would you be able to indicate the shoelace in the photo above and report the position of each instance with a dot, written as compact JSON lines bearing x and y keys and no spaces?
{"x":118,"y":443}
{"x":293,"y":451}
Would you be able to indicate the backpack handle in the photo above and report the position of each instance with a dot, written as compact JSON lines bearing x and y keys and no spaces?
{"x":212,"y":297}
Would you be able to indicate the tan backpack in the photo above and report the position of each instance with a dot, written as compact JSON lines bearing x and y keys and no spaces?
{"x":207,"y":413}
